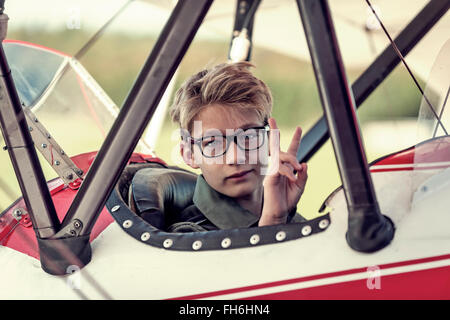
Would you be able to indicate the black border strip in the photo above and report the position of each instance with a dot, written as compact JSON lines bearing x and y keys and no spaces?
{"x":142,"y":231}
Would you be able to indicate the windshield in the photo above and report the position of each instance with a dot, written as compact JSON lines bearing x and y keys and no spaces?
{"x":63,"y":97}
{"x":31,"y":78}
{"x":75,"y":109}
{"x":434,"y":114}
{"x":432,"y":153}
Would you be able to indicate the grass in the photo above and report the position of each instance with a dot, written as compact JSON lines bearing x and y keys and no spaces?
{"x":115,"y":63}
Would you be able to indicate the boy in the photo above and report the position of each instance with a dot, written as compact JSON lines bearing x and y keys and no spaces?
{"x":224,"y":115}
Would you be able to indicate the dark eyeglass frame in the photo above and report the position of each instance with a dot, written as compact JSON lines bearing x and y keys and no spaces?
{"x":233,"y":137}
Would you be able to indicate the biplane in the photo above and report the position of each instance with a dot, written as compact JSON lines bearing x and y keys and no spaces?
{"x":384,"y":234}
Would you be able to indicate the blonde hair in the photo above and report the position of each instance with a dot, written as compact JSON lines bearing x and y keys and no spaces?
{"x":228,"y":84}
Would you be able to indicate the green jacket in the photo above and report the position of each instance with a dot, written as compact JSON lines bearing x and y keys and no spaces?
{"x":212,"y":210}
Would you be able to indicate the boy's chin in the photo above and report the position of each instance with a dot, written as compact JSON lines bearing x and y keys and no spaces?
{"x":240,"y":191}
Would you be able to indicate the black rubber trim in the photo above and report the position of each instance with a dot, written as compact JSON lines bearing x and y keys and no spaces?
{"x":142,"y":231}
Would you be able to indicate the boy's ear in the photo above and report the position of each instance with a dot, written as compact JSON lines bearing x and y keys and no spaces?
{"x":187,"y":154}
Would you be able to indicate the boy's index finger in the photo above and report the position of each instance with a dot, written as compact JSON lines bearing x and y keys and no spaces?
{"x":272,"y":123}
{"x":274,"y":137}
{"x":295,"y":143}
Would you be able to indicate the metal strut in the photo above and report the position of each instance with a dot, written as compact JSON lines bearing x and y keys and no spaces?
{"x":52,"y":152}
{"x":21,"y":150}
{"x":368,"y":229}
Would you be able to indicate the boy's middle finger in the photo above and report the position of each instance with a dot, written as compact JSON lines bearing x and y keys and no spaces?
{"x":274,"y":137}
{"x":292,"y":160}
{"x":295,"y":142}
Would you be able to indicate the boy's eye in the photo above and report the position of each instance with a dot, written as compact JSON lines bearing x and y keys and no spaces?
{"x":211,"y":141}
{"x":250,"y":135}
{"x":251,"y":139}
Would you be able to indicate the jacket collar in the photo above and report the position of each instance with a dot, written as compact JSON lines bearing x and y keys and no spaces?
{"x":221,"y":210}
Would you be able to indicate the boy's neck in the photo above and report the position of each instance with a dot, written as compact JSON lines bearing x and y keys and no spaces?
{"x":252,"y":202}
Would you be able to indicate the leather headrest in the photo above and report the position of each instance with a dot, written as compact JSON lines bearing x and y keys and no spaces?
{"x":160,"y":193}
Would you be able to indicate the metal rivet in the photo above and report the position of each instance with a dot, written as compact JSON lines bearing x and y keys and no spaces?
{"x":324,"y":223}
{"x":168,"y":243}
{"x":254,"y":239}
{"x":226,"y":243}
{"x":280,"y":236}
{"x":77,"y":224}
{"x":306,"y":230}
{"x":145,"y":236}
{"x":57,"y":163}
{"x":127,"y":224}
{"x":17,"y":214}
{"x":115,"y":208}
{"x":197,"y":245}
{"x":44,"y":145}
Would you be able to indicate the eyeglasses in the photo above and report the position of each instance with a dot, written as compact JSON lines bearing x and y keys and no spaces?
{"x":246,"y":139}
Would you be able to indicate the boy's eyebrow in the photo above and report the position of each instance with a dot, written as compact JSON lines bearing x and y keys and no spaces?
{"x":245,"y":126}
{"x":251,"y":125}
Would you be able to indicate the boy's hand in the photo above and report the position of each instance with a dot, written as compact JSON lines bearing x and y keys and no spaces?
{"x":283,"y":188}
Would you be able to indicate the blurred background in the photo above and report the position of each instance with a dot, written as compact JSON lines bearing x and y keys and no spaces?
{"x":387,"y":118}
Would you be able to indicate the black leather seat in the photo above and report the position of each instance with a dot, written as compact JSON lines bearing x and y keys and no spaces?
{"x":158,"y":194}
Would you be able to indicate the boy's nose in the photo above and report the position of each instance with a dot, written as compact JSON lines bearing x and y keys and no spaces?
{"x":235,"y":155}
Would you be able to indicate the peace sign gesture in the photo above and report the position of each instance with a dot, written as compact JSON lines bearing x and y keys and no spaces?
{"x":285,"y":185}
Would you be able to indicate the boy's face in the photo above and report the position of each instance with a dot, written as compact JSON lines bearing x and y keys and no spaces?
{"x":238,"y":172}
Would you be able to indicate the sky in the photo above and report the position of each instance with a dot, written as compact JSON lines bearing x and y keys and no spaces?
{"x":54,"y":15}
{"x":147,"y":16}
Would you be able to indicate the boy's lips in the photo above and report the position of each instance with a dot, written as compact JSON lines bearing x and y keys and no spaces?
{"x":239,"y":174}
